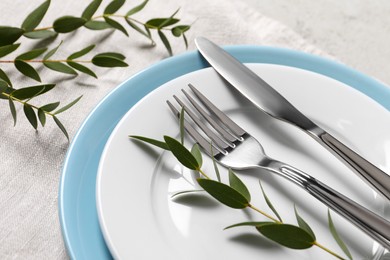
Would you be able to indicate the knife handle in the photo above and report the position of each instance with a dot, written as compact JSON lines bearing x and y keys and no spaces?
{"x":377,"y":178}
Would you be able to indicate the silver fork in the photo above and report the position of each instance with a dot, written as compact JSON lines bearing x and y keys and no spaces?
{"x":237,"y":149}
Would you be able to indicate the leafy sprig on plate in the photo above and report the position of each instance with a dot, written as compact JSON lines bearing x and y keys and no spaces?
{"x":236,"y":195}
{"x":73,"y":64}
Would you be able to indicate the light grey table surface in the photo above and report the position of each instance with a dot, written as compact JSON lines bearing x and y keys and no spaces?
{"x":355,"y":32}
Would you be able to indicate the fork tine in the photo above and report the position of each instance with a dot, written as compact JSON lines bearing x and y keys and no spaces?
{"x":238,"y":131}
{"x":203,"y":143}
{"x":214,"y":138}
{"x":228,"y":136}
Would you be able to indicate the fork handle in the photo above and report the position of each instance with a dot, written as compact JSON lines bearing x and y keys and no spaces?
{"x":372,"y":224}
{"x":375,"y":177}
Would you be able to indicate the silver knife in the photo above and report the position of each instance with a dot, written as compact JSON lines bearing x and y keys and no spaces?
{"x":266,"y":98}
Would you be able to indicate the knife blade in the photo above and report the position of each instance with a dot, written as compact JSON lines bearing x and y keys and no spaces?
{"x":266,"y":98}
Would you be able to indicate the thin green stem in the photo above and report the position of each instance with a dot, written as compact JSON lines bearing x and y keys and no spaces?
{"x":204,"y":174}
{"x":264,"y":214}
{"x":41,"y":61}
{"x":24,"y":102}
{"x":328,"y":250}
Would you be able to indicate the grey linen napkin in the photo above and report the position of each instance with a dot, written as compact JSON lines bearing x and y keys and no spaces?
{"x":30,"y":165}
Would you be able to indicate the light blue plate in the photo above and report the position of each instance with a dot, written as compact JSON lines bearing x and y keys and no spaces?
{"x":77,"y":209}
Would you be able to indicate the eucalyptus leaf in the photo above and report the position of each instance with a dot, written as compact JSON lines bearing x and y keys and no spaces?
{"x":91,"y":9}
{"x":82,"y":68}
{"x":5,"y":93}
{"x":185,"y":41}
{"x":116,"y":25}
{"x":35,"y":17}
{"x":30,"y":114}
{"x":50,"y":107}
{"x":113,"y":6}
{"x":303,"y":224}
{"x":61,"y":127}
{"x":181,"y":153}
{"x":108,"y":61}
{"x":195,"y":150}
{"x":82,"y":52}
{"x":12,"y":109}
{"x":9,"y":35}
{"x":42,"y":116}
{"x":31,"y":54}
{"x":250,"y":223}
{"x":41,"y":34}
{"x":4,"y":77}
{"x":337,"y":237}
{"x":165,"y":42}
{"x":51,"y":52}
{"x":138,"y":29}
{"x":60,"y":67}
{"x":151,"y":141}
{"x":224,"y":193}
{"x":27,"y":70}
{"x":158,"y":23}
{"x":287,"y":235}
{"x":112,"y":54}
{"x":7,"y":49}
{"x":177,"y":31}
{"x":67,"y":24}
{"x":33,"y":91}
{"x":137,"y":8}
{"x":64,"y":108}
{"x":3,"y":86}
{"x":185,"y":192}
{"x":268,"y":201}
{"x":238,"y":185}
{"x":97,"y":25}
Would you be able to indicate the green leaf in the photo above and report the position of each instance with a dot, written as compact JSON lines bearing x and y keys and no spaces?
{"x":108,"y":61}
{"x":30,"y":114}
{"x":7,"y":49}
{"x":3,"y":86}
{"x":51,"y":52}
{"x":267,"y":200}
{"x":61,"y":126}
{"x":137,"y":8}
{"x":33,"y":91}
{"x":165,"y":42}
{"x":158,"y":23}
{"x":250,"y":223}
{"x":185,"y":192}
{"x":5,"y":90}
{"x":337,"y":237}
{"x":82,"y":52}
{"x":116,"y":25}
{"x":195,"y":150}
{"x":4,"y":77}
{"x":13,"y":110}
{"x":181,"y":125}
{"x":303,"y":224}
{"x":287,"y":235}
{"x":238,"y":185}
{"x":9,"y":35}
{"x":113,"y":6}
{"x":82,"y":68}
{"x":42,"y":117}
{"x":112,"y":54}
{"x":64,"y":108}
{"x":27,"y":70}
{"x":67,"y":24}
{"x":138,"y":29}
{"x":35,"y":17}
{"x":31,"y":54}
{"x":97,"y":25}
{"x":181,"y":153}
{"x":50,"y":107}
{"x":154,"y":142}
{"x":185,"y":41}
{"x":177,"y":31}
{"x":224,"y":193}
{"x":91,"y":9}
{"x":60,"y":67}
{"x":42,"y":34}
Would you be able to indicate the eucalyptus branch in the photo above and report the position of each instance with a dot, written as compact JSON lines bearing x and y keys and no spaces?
{"x":236,"y":195}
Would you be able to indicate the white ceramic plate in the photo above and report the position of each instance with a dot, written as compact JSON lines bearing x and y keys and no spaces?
{"x":135,"y":182}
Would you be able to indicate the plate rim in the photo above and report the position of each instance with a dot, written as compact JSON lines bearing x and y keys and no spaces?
{"x":190,"y":61}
